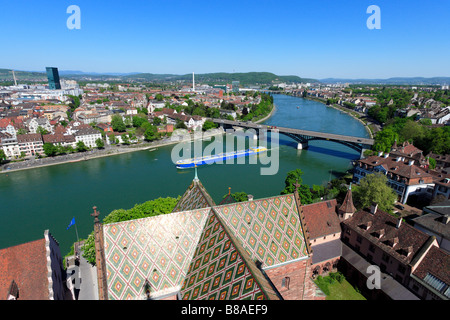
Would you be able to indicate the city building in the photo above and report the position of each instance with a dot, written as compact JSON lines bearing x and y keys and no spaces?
{"x":435,"y":222}
{"x":53,"y":78}
{"x":30,"y":144}
{"x":235,"y":86}
{"x":404,"y":176}
{"x":33,"y":271}
{"x":88,"y":136}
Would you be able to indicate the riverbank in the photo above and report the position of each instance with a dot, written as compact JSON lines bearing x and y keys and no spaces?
{"x":274,"y":106}
{"x":94,"y":154}
{"x":351,"y":113}
{"x":105,"y":152}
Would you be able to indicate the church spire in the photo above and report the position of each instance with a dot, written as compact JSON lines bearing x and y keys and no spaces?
{"x":347,"y":209}
{"x":196,"y":176}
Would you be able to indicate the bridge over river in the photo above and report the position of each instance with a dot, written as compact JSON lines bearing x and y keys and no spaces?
{"x":302,"y":137}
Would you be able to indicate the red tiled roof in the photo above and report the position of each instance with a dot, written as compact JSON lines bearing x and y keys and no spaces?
{"x":347,"y":205}
{"x":26,"y":264}
{"x":370,"y":225}
{"x":437,"y":263}
{"x":321,"y":218}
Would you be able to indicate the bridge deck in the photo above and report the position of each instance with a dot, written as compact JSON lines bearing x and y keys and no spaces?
{"x":314,"y":134}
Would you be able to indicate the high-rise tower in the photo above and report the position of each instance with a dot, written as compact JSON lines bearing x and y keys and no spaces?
{"x":53,"y":78}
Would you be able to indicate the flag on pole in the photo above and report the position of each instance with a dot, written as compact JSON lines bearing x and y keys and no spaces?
{"x":72,"y":222}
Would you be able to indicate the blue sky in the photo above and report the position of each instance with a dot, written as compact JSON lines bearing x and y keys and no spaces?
{"x":317,"y":39}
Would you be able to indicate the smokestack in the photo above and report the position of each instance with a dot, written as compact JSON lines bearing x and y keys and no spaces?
{"x":193,"y":82}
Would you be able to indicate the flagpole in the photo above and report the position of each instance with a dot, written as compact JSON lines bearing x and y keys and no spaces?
{"x":76,"y":230}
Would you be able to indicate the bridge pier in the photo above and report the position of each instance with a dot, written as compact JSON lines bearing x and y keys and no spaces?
{"x":302,"y":145}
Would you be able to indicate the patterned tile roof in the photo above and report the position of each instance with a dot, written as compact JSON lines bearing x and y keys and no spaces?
{"x":195,"y":197}
{"x":203,"y":251}
{"x":269,"y":229}
{"x":219,"y":271}
{"x":157,"y":249}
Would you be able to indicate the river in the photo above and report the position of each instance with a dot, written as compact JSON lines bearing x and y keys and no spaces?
{"x":34,"y":200}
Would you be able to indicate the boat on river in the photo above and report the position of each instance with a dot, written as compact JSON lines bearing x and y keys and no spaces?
{"x":192,"y":162}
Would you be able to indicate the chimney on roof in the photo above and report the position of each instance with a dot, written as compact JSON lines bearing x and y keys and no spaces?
{"x":373,"y":208}
{"x":250,"y":197}
{"x":399,"y":223}
{"x":386,"y":155}
{"x":380,"y":153}
{"x":394,"y":241}
{"x":410,"y":162}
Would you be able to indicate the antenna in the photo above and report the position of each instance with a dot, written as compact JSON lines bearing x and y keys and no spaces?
{"x":14,"y":76}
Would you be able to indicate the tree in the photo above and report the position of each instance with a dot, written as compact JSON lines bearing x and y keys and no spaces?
{"x":100,"y":143}
{"x":138,"y":121}
{"x":2,"y":155}
{"x":238,"y":196}
{"x":373,"y":188}
{"x":293,"y":177}
{"x":125,"y":139}
{"x":157,"y":121}
{"x":117,"y":123}
{"x":50,"y":149}
{"x":41,"y":130}
{"x":151,"y":133}
{"x":81,"y":147}
{"x":208,"y":124}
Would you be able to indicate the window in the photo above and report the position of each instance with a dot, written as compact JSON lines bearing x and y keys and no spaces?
{"x":372,"y":248}
{"x":401,"y":269}
{"x":358,"y":239}
{"x":385,"y":257}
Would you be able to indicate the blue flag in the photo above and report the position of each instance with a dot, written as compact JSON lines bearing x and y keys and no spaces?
{"x":72,"y":222}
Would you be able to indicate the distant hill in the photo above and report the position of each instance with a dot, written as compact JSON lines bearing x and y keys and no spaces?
{"x":6,"y":75}
{"x":247,"y":78}
{"x":394,"y":81}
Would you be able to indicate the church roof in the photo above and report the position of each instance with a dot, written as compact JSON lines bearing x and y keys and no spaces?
{"x":269,"y":229}
{"x":204,"y":251}
{"x":189,"y":252}
{"x":195,"y":197}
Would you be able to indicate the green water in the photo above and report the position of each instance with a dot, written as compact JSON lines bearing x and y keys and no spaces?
{"x":32,"y":201}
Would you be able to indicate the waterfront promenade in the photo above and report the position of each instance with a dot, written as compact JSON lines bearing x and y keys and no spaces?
{"x":110,"y":150}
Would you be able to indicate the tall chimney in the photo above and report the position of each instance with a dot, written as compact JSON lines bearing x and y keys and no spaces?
{"x":193,"y":82}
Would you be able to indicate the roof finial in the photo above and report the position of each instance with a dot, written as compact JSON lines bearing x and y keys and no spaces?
{"x":297,"y":185}
{"x":196,"y":176}
{"x":229,"y":190}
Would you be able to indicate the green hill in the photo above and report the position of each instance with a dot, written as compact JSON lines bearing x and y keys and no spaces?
{"x":6,"y":75}
{"x":247,"y":78}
